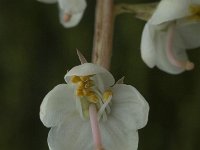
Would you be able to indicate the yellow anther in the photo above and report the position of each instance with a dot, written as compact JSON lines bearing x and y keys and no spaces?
{"x":85,"y":91}
{"x":89,"y":84}
{"x":93,"y":98}
{"x":84,"y":84}
{"x":195,"y":11}
{"x":79,"y":92}
{"x":81,"y":85}
{"x":75,"y":79}
{"x":89,"y":93}
{"x":84,"y":78}
{"x":107,"y":94}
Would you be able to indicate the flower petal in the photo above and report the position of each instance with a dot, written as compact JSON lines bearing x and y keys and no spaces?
{"x":115,"y":137}
{"x":169,"y":10}
{"x":74,"y":19}
{"x":190,"y":35}
{"x":76,"y":134}
{"x":91,"y":69}
{"x":57,"y":104}
{"x":48,"y":1}
{"x":73,"y":6}
{"x":72,"y":134}
{"x":129,"y":107}
{"x":148,"y":46}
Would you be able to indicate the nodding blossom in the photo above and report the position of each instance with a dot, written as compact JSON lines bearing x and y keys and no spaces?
{"x":70,"y":11}
{"x":173,"y":28}
{"x":121,"y":111}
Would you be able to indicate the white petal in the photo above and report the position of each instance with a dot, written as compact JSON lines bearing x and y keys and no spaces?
{"x":48,"y":1}
{"x":148,"y":46}
{"x":75,"y":134}
{"x":72,"y":134}
{"x":169,"y":10}
{"x":57,"y":104}
{"x":129,"y":107}
{"x":73,"y":6}
{"x":90,"y":69}
{"x":190,"y":35}
{"x":75,"y":18}
{"x":115,"y":137}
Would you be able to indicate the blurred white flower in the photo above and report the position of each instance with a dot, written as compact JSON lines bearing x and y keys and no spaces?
{"x":70,"y":11}
{"x":121,"y":111}
{"x":173,"y":28}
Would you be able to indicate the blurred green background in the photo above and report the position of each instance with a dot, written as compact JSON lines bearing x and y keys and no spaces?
{"x":36,"y":51}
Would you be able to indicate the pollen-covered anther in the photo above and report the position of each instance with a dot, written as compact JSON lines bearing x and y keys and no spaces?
{"x":75,"y":79}
{"x":91,"y":95}
{"x":89,"y":84}
{"x":84,"y":78}
{"x":88,"y":92}
{"x":93,"y":98}
{"x":81,"y":85}
{"x":84,"y":84}
{"x":79,"y":92}
{"x":107,"y":95}
{"x":195,"y":11}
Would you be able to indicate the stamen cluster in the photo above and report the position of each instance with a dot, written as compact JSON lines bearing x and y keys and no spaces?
{"x":84,"y":87}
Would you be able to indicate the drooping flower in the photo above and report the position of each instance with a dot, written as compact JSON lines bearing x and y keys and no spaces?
{"x":122,"y":110}
{"x":70,"y":11}
{"x":173,"y":28}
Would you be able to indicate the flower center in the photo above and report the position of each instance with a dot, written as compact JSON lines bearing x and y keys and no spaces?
{"x":84,"y":88}
{"x":195,"y":11}
{"x":88,"y":93}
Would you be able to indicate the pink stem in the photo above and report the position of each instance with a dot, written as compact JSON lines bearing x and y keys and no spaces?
{"x":95,"y":127}
{"x":187,"y":65}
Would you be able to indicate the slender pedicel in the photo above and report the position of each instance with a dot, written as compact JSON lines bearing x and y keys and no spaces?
{"x":187,"y":65}
{"x":95,"y":127}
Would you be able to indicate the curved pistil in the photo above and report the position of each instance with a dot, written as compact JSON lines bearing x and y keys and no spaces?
{"x":95,"y":127}
{"x":187,"y":65}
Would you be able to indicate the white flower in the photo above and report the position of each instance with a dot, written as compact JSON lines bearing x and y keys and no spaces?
{"x":121,"y":111}
{"x":173,"y":28}
{"x":70,"y":11}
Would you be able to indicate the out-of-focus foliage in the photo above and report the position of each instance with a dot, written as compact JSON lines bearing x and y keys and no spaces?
{"x":36,"y":52}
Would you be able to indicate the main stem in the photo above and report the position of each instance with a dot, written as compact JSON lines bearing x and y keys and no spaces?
{"x":103,"y":34}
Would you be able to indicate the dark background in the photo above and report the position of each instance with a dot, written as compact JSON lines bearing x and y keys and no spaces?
{"x":36,"y":51}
